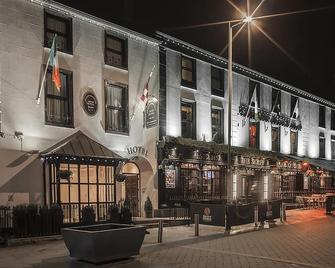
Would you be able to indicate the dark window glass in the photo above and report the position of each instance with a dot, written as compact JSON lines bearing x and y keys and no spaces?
{"x":276,"y":101}
{"x":322,"y":116}
{"x":254,"y":135}
{"x":252,"y":86}
{"x":275,"y":134}
{"x":188,"y":125}
{"x":217,"y":125}
{"x":60,"y":26}
{"x":188,"y":72}
{"x":332,"y":125}
{"x":217,"y":82}
{"x":115,"y":51}
{"x":322,"y":145}
{"x":58,"y":103}
{"x":333,"y":146}
{"x":116,"y":109}
{"x":294,"y":142}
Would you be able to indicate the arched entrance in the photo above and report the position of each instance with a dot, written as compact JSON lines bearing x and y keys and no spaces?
{"x":132,"y":186}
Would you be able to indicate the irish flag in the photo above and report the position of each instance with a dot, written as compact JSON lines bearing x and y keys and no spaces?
{"x":53,"y":60}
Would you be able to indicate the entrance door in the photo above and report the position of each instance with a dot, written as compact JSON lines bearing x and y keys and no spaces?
{"x":132,"y":189}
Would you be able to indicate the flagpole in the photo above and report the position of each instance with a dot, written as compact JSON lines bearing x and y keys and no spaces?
{"x":38,"y":99}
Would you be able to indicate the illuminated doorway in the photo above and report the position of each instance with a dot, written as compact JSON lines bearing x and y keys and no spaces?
{"x":131,"y":187}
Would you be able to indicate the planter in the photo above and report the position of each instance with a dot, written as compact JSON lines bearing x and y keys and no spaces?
{"x":148,"y":213}
{"x":104,"y":242}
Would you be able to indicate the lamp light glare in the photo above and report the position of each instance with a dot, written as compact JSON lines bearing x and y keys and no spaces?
{"x":247,"y":19}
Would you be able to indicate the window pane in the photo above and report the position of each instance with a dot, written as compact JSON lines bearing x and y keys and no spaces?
{"x":56,"y":25}
{"x":113,"y":58}
{"x":101,"y":174}
{"x":83,"y":193}
{"x":93,"y":193}
{"x":83,"y":174}
{"x":114,"y":44}
{"x":92,"y":174}
{"x":64,"y":193}
{"x":74,"y":193}
{"x":187,"y":63}
{"x":216,"y":83}
{"x":52,"y":90}
{"x":115,"y":96}
{"x":74,"y":170}
{"x":102,"y":193}
{"x":186,"y":75}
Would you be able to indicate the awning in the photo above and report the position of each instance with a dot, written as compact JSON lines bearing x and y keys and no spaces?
{"x":328,"y":165}
{"x":79,"y":145}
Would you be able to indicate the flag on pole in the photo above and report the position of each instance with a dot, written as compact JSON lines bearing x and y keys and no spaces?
{"x":295,"y":112}
{"x":145,"y":95}
{"x":53,"y":61}
{"x":254,"y":96}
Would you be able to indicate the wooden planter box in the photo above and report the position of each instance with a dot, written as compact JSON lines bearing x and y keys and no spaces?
{"x":104,"y":242}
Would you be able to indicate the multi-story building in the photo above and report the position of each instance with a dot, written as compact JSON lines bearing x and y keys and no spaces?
{"x":171,"y":149}
{"x":282,"y":137}
{"x":89,"y":126}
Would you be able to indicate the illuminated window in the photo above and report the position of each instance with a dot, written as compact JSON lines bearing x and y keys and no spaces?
{"x":254,"y":135}
{"x":234,"y":186}
{"x":294,"y":142}
{"x":116,"y":109}
{"x":188,"y":72}
{"x":58,"y":103}
{"x":266,"y":187}
{"x":188,"y":119}
{"x":115,"y":51}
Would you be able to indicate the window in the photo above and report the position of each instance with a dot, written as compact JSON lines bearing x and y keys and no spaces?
{"x":322,"y":145}
{"x":332,"y":125}
{"x":188,"y":126}
{"x":333,"y":147}
{"x":294,"y":142}
{"x":322,"y":116}
{"x":188,"y":72}
{"x":275,"y":134}
{"x":60,"y":26}
{"x":116,"y":109}
{"x":252,"y":87}
{"x":217,"y":82}
{"x":217,"y":125}
{"x":115,"y":51}
{"x":294,"y":102}
{"x":276,"y":101}
{"x":59,"y":104}
{"x":254,"y":135}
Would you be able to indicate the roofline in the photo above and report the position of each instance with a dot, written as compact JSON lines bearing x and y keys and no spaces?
{"x":237,"y":67}
{"x":77,"y":14}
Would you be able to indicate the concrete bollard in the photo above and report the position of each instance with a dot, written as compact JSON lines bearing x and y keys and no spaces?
{"x":256,"y":216}
{"x":160,"y":231}
{"x":196,"y":224}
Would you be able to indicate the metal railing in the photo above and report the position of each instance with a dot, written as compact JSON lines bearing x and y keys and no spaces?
{"x":290,"y":196}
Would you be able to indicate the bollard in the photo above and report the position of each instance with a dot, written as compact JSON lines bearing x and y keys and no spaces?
{"x":196,"y":224}
{"x":160,"y":231}
{"x":256,"y":216}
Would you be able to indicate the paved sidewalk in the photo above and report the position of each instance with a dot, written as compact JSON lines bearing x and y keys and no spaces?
{"x":306,"y":240}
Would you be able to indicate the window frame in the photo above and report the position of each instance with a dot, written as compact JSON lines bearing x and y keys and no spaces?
{"x":194,"y":118}
{"x":221,"y":111}
{"x":278,"y":141}
{"x":294,"y":149}
{"x":322,"y":136}
{"x":68,"y":35}
{"x":257,"y":124}
{"x":69,"y":98}
{"x":126,"y":109}
{"x":219,"y":92}
{"x":124,"y":53}
{"x":278,"y":97}
{"x":186,"y":83}
{"x":322,"y":123}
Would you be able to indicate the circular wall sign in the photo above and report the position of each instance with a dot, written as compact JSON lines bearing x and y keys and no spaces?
{"x":90,"y":104}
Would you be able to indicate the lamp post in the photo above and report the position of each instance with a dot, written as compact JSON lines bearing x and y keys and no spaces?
{"x":247,"y":19}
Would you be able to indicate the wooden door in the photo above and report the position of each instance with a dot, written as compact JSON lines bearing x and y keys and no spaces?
{"x":132,"y":192}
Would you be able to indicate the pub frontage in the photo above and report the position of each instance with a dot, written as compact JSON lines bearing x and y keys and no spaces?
{"x":196,"y":171}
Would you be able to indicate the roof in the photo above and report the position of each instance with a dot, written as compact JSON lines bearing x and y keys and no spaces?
{"x":80,"y":145}
{"x":199,"y":53}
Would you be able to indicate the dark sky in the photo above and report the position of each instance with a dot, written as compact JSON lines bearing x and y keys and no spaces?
{"x":308,"y":37}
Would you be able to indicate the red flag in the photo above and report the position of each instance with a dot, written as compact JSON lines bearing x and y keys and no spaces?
{"x":145,"y":94}
{"x":55,"y":67}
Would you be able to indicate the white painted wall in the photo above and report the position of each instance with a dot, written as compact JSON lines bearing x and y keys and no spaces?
{"x":22,"y":58}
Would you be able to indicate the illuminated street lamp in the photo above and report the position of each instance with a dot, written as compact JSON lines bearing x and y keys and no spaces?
{"x":247,"y":19}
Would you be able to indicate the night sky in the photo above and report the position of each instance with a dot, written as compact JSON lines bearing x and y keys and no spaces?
{"x":308,"y":37}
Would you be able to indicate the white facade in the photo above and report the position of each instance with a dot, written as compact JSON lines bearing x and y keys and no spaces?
{"x":21,"y":67}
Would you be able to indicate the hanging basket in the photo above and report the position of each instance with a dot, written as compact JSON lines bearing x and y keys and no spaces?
{"x":120,"y":177}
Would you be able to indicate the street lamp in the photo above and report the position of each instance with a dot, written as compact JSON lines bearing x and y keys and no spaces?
{"x":247,"y":19}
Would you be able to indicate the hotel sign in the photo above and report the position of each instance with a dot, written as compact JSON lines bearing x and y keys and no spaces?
{"x":151,"y":113}
{"x":90,"y":104}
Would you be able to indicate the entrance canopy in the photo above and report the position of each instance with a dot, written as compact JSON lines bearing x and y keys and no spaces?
{"x":79,"y":148}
